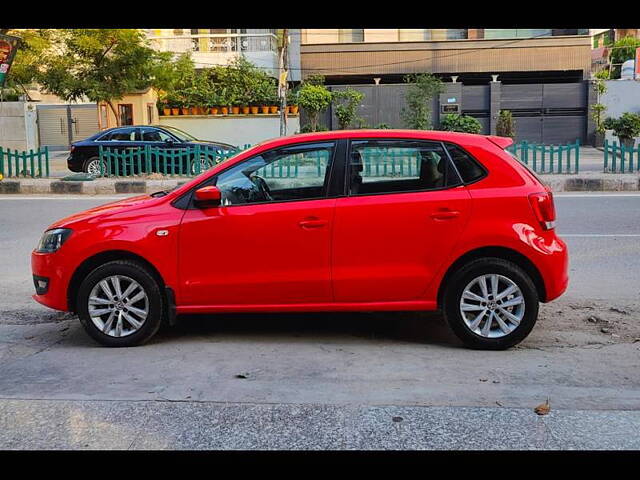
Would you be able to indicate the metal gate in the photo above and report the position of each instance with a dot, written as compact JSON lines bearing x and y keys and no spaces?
{"x":60,"y":125}
{"x":548,"y":113}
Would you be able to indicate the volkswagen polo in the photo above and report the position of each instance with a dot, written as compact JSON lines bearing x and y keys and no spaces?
{"x":365,"y":220}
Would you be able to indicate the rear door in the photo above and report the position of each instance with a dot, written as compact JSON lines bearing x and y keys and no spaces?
{"x":405,"y":210}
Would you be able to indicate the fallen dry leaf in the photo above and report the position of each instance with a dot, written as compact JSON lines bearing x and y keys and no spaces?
{"x":543,"y":408}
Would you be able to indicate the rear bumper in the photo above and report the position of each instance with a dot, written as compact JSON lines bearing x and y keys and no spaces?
{"x":554,"y":267}
{"x":47,"y":268}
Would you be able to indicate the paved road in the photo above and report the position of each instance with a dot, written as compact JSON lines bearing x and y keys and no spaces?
{"x":330,"y":380}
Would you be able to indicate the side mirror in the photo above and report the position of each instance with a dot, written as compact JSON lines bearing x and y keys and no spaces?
{"x":207,"y":197}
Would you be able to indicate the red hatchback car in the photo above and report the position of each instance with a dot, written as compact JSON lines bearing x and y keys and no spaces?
{"x":359,"y":220}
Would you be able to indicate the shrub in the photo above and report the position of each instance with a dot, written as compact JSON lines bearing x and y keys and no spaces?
{"x":347,"y":104}
{"x":505,"y":126}
{"x":314,"y":99}
{"x":382,"y":126}
{"x":454,"y":122}
{"x":626,"y":127}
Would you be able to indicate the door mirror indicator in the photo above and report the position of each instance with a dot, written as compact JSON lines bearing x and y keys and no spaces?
{"x":207,"y":197}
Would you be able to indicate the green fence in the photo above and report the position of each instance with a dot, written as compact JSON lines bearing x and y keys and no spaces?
{"x":188,"y":161}
{"x":24,"y":164}
{"x":548,"y":158}
{"x":619,"y":158}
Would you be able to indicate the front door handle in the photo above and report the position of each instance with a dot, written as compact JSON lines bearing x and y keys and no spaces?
{"x":445,"y":214}
{"x":312,"y":223}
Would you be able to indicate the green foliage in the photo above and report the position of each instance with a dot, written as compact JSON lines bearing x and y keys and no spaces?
{"x":382,"y":126}
{"x":505,"y":126}
{"x":34,"y":45}
{"x":314,"y":79}
{"x":454,"y":122}
{"x":626,"y":127}
{"x":423,"y":87}
{"x":101,"y":64}
{"x":308,"y":128}
{"x":623,"y":50}
{"x":314,"y":99}
{"x":347,"y":102}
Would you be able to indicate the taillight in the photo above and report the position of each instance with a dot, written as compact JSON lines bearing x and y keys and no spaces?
{"x":544,"y":209}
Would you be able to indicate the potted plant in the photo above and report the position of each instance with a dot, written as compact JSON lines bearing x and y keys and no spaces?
{"x":292,"y":101}
{"x":626,"y":128}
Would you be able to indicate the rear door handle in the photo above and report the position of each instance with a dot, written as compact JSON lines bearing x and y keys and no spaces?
{"x":445,"y":215}
{"x":312,"y":223}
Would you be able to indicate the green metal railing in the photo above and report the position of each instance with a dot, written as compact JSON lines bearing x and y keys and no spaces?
{"x":548,"y":158}
{"x":24,"y":164}
{"x":618,"y":158}
{"x":188,"y":161}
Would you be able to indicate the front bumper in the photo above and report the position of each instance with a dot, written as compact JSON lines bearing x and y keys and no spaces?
{"x":48,"y":267}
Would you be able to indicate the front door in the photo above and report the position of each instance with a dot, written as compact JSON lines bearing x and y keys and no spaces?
{"x":404,"y":213}
{"x":269,"y":241}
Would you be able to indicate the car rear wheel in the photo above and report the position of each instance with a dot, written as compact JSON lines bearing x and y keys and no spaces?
{"x":92,"y":167}
{"x":120,"y":304}
{"x":203,"y":161}
{"x":491,"y":304}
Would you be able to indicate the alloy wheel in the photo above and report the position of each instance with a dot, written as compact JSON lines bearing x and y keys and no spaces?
{"x":118,"y":306}
{"x":492,"y":305}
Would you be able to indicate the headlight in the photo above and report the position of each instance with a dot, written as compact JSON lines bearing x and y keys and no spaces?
{"x":52,"y":240}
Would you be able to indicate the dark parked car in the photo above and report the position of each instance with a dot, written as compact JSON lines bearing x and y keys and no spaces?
{"x":84,"y":155}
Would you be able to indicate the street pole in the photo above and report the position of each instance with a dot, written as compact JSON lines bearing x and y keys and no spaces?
{"x":282,"y":82}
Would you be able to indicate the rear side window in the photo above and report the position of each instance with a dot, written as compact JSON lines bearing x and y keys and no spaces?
{"x":467,"y":166}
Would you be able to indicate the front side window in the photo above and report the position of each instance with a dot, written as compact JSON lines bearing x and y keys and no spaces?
{"x":154,"y":135}
{"x":297,"y":172}
{"x":395,"y":166}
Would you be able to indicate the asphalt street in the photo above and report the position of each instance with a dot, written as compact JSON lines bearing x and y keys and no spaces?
{"x":343,"y":381}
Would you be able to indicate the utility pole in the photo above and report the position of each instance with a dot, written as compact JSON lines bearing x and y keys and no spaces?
{"x":282,"y":81}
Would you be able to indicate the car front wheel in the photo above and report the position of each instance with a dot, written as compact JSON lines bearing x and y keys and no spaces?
{"x":491,"y":304}
{"x":120,"y":304}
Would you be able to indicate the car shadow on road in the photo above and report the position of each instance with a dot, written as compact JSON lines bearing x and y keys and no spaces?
{"x":413,"y":327}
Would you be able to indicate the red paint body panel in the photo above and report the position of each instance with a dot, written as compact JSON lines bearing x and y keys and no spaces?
{"x":370,"y":252}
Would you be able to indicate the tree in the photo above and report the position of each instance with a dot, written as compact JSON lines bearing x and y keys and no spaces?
{"x":100,"y":64}
{"x":423,"y":87}
{"x":347,"y":104}
{"x":622,"y":50}
{"x":314,"y":99}
{"x":34,"y":44}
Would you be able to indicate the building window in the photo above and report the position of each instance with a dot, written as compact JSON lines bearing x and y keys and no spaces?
{"x":498,"y":33}
{"x":448,"y":34}
{"x":125,"y":112}
{"x":178,"y":31}
{"x":350,"y":35}
{"x":415,"y":35}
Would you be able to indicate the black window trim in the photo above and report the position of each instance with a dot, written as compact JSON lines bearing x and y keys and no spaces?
{"x":485,"y":172}
{"x":449,"y":165}
{"x":185,"y":201}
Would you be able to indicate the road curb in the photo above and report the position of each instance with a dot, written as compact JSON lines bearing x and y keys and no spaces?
{"x":558,"y":183}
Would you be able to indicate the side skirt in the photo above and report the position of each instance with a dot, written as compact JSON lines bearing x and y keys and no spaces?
{"x":312,"y":307}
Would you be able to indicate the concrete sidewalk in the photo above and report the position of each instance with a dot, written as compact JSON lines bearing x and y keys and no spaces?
{"x":131,"y":425}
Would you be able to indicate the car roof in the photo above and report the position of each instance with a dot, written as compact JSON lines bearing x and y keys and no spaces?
{"x":437,"y":135}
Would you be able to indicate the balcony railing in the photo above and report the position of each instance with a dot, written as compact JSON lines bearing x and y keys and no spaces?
{"x":217,"y":42}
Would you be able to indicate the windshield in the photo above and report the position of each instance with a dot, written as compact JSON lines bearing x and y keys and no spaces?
{"x":184,"y":136}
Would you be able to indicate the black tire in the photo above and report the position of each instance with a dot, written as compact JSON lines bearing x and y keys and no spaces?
{"x":145,"y":279}
{"x":490,"y":265}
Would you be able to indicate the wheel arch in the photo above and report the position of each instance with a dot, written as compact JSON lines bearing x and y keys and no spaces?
{"x":504,"y":253}
{"x":93,"y":262}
